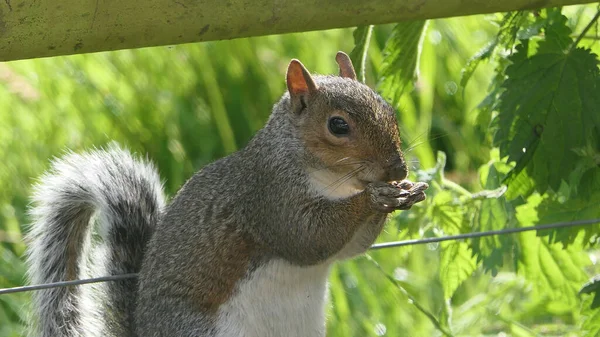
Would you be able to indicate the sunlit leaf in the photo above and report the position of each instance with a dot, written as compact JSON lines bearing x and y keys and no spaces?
{"x":590,"y":324}
{"x":456,"y":265}
{"x":445,"y":214}
{"x":494,"y":214}
{"x":362,"y":37}
{"x":555,"y":272}
{"x":576,"y":208}
{"x":401,"y":55}
{"x":484,"y":54}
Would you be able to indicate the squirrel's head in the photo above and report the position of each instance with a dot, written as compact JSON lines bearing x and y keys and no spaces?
{"x":350,"y":133}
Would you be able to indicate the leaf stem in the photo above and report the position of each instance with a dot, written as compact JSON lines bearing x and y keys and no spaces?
{"x":588,"y":37}
{"x":585,"y":30}
{"x":363,"y":58}
{"x":412,"y":300}
{"x":362,"y":53}
{"x":448,"y":184}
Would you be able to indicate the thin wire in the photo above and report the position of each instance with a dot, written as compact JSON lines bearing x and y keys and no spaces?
{"x":486,"y":233}
{"x":374,"y":247}
{"x":67,"y":283}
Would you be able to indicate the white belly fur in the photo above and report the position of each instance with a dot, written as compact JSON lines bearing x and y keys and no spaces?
{"x":279,"y":299}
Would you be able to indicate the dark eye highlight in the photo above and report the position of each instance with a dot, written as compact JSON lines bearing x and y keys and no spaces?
{"x":338,"y":126}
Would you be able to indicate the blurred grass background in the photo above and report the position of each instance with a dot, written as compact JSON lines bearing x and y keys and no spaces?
{"x":186,"y":105}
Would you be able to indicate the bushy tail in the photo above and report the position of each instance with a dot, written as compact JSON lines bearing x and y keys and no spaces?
{"x":123,"y":197}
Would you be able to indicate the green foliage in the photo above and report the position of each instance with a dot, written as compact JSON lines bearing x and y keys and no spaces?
{"x":510,"y":25}
{"x":555,"y":271}
{"x":548,"y":108}
{"x":401,"y":53}
{"x":362,"y":38}
{"x":592,"y":287}
{"x":494,"y":214}
{"x":498,"y":113}
{"x":591,"y":320}
{"x":456,"y":265}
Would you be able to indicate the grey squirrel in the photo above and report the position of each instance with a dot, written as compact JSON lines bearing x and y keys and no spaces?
{"x":245,"y":247}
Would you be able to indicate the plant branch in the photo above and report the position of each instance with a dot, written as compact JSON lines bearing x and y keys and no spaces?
{"x":588,"y":37}
{"x":585,"y":30}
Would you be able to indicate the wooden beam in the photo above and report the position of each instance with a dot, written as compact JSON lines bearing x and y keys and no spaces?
{"x":39,"y":28}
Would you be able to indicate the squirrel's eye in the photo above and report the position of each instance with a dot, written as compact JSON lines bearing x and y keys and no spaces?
{"x":338,"y":126}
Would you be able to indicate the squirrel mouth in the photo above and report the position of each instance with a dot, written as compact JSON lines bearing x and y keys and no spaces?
{"x":370,"y":178}
{"x":364,"y":182}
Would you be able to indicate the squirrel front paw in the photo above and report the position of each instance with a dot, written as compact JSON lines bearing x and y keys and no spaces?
{"x":386,"y":197}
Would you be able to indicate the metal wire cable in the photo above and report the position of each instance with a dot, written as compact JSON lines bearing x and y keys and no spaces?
{"x":67,"y":283}
{"x":486,"y":233}
{"x":505,"y":231}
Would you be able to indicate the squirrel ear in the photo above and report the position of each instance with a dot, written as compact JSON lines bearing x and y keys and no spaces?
{"x":299,"y":80}
{"x":346,"y":67}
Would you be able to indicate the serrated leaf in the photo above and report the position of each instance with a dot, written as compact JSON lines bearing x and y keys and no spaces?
{"x":510,"y":25}
{"x":483,"y":54}
{"x":590,"y":326}
{"x":362,"y":37}
{"x":551,"y":210}
{"x":447,"y":217}
{"x":592,"y":287}
{"x":494,"y":214}
{"x":589,"y":183}
{"x":519,"y":185}
{"x":555,"y":272}
{"x":456,"y":265}
{"x":490,"y":250}
{"x":445,"y":214}
{"x":531,"y":29}
{"x":548,"y":109}
{"x":590,"y":311}
{"x":401,"y":53}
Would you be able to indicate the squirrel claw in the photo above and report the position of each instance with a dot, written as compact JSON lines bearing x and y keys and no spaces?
{"x":396,"y":196}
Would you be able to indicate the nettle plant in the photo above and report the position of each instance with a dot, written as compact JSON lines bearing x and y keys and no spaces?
{"x":540,"y":123}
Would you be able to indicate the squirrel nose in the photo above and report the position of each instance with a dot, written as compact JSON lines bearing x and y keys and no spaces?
{"x":397,"y":170}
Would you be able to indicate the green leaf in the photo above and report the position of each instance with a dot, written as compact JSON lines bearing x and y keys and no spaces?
{"x":590,"y":324}
{"x":494,"y":214}
{"x":592,"y":287}
{"x":519,"y":185}
{"x":555,"y":272}
{"x":456,"y":265}
{"x":552,"y":210}
{"x":590,"y":309}
{"x":362,"y":37}
{"x":401,"y":53}
{"x":445,"y":214}
{"x":491,"y":250}
{"x":483,"y":54}
{"x":512,"y":25}
{"x":589,"y":183}
{"x":548,"y":108}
